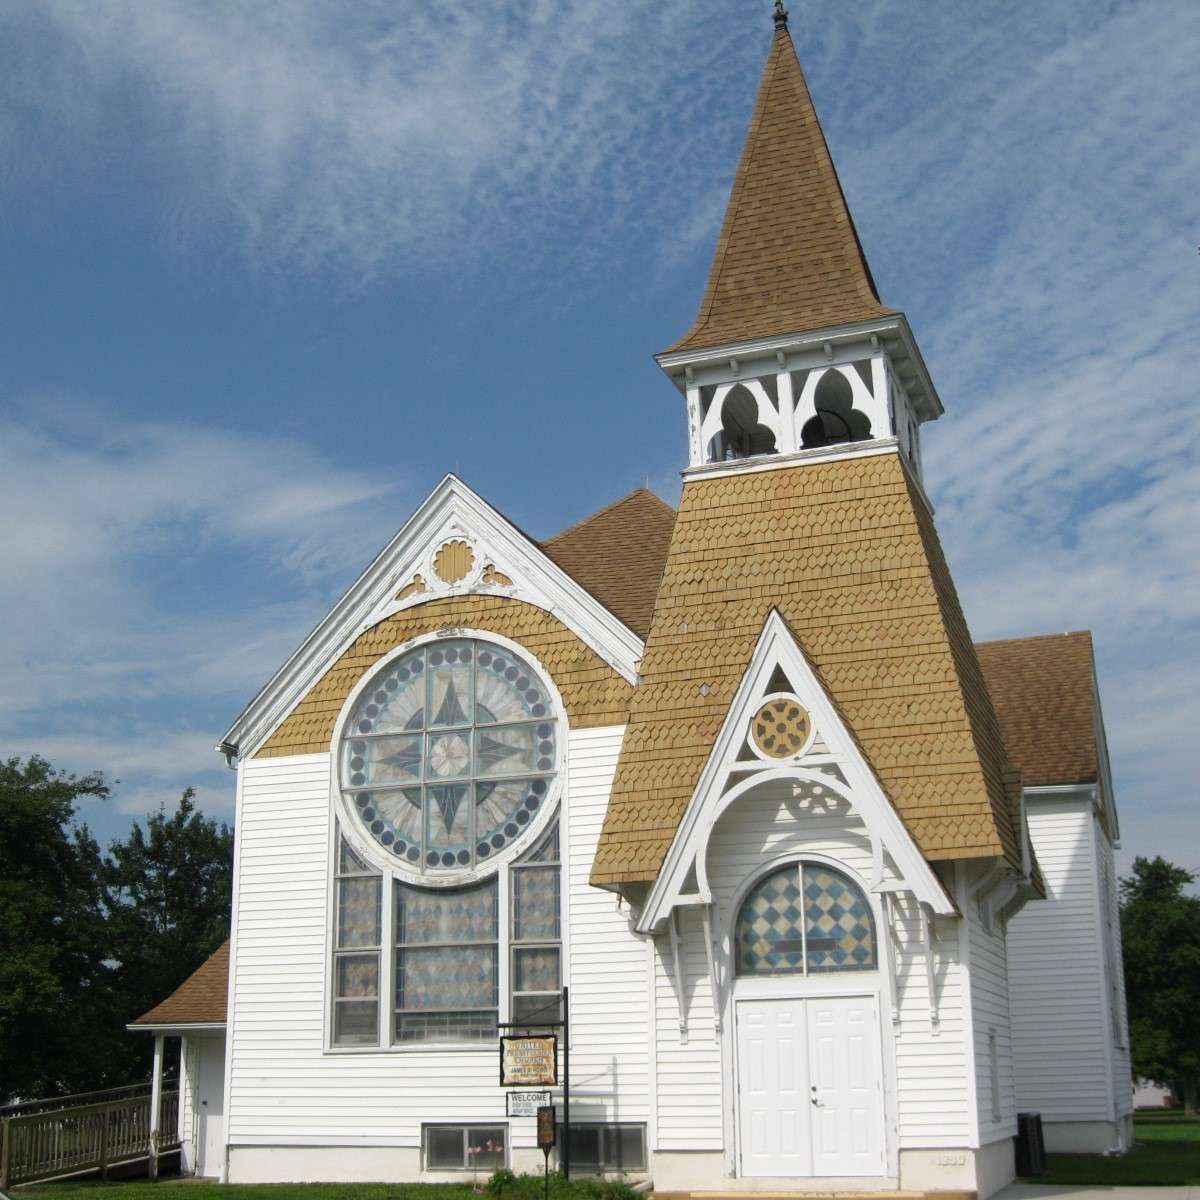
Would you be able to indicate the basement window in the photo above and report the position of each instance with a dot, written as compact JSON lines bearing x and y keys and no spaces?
{"x":464,"y":1147}
{"x":607,"y":1147}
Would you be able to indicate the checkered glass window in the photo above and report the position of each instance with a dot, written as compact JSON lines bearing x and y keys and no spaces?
{"x":805,"y":919}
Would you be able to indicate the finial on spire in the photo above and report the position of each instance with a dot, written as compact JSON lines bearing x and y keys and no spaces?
{"x":781,"y":15}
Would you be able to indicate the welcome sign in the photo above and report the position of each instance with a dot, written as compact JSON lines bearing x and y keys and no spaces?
{"x":528,"y":1061}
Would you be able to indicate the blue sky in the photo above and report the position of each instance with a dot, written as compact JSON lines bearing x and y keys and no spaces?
{"x":272,"y":269}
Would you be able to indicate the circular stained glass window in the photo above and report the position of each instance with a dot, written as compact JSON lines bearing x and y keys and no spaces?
{"x":448,"y":754}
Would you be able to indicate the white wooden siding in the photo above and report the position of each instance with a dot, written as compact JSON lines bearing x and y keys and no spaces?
{"x":990,"y":1012}
{"x":1061,"y":1037}
{"x":933,"y":1102}
{"x":285,"y":1089}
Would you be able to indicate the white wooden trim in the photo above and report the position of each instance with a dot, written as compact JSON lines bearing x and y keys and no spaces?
{"x":968,"y":1010}
{"x":452,"y":510}
{"x":777,"y":648}
{"x":230,"y":1010}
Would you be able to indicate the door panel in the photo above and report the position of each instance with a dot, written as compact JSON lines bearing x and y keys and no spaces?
{"x":810,"y":1087}
{"x":846,"y":1086}
{"x":773,"y":1108}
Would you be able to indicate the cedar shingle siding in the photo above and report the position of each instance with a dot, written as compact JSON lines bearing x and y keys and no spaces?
{"x":847,"y":552}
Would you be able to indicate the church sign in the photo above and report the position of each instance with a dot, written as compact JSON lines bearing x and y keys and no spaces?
{"x":528,"y":1061}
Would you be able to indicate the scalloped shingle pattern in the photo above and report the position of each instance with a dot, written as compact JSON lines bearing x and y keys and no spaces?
{"x":593,"y":692}
{"x":847,"y":552}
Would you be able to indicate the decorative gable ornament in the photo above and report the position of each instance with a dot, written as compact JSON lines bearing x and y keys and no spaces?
{"x":454,"y":544}
{"x":792,"y":733}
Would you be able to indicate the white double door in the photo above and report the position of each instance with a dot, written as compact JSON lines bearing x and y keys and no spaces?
{"x":810,"y":1087}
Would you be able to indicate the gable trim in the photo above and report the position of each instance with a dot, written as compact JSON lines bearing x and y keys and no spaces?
{"x":777,"y":647}
{"x":451,"y":507}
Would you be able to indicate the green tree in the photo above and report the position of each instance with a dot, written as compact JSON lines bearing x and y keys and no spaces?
{"x":1160,"y":934}
{"x":168,"y":888}
{"x":54,"y":978}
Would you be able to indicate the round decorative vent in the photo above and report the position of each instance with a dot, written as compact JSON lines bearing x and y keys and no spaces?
{"x":781,"y":728}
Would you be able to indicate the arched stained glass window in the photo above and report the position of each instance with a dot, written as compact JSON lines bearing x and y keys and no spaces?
{"x":805,"y":919}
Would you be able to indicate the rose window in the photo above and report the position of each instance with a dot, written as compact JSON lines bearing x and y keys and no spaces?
{"x":448,"y":754}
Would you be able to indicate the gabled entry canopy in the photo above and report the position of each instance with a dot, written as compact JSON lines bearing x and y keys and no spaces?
{"x":782,"y":705}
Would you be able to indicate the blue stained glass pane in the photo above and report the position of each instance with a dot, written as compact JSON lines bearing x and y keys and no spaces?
{"x":535,"y":904}
{"x":769,"y":937}
{"x":358,"y":912}
{"x":838,"y":924}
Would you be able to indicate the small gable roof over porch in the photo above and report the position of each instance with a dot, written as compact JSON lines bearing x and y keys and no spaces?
{"x":200,"y":1000}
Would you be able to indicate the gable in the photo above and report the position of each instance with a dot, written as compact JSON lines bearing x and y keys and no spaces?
{"x":454,"y":546}
{"x":593,"y":692}
{"x":784,"y":728}
{"x":847,"y":552}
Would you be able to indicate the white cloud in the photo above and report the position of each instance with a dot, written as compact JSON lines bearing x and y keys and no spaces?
{"x":358,"y":137}
{"x":135,"y":555}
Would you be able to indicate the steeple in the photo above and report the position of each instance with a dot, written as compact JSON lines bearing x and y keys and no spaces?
{"x":792,"y":354}
{"x":788,"y":259}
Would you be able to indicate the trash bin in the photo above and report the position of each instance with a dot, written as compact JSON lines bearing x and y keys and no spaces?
{"x":1031,"y":1149}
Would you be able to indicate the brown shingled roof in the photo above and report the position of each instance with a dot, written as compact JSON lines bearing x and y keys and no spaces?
{"x":199,"y":1000}
{"x":1044,"y":690}
{"x":618,"y":553}
{"x":847,"y":551}
{"x":788,"y":258}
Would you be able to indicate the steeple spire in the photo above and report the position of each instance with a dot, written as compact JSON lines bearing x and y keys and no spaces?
{"x":788,"y":258}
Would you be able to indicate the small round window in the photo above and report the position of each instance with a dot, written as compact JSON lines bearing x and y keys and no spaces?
{"x":449,"y":753}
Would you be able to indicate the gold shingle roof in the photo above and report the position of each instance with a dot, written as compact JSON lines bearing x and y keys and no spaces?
{"x":617,"y":554}
{"x":788,"y":258}
{"x":847,"y":551}
{"x":199,"y":1000}
{"x":1044,"y":690}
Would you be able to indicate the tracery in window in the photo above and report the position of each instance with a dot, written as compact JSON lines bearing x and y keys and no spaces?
{"x":448,"y":754}
{"x":356,"y":950}
{"x":805,"y":919}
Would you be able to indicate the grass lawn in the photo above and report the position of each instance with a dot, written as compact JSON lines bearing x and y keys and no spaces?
{"x":523,"y":1187}
{"x":1166,"y":1151}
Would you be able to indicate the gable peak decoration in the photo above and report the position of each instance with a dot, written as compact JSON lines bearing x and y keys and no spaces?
{"x":454,"y":545}
{"x":788,"y":257}
{"x":826,"y":768}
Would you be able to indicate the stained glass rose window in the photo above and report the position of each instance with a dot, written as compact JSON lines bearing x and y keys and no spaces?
{"x":448,"y":754}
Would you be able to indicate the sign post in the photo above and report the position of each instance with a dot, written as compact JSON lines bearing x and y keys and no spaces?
{"x":530,"y":1061}
{"x":545,"y":1138}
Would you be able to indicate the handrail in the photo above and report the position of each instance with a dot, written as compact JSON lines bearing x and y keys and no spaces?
{"x":21,"y":1108}
{"x":85,"y":1137}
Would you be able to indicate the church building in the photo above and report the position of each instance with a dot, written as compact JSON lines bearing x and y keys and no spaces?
{"x":830,"y":887}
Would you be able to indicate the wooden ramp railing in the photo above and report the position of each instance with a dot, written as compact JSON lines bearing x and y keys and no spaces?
{"x":78,"y":1134}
